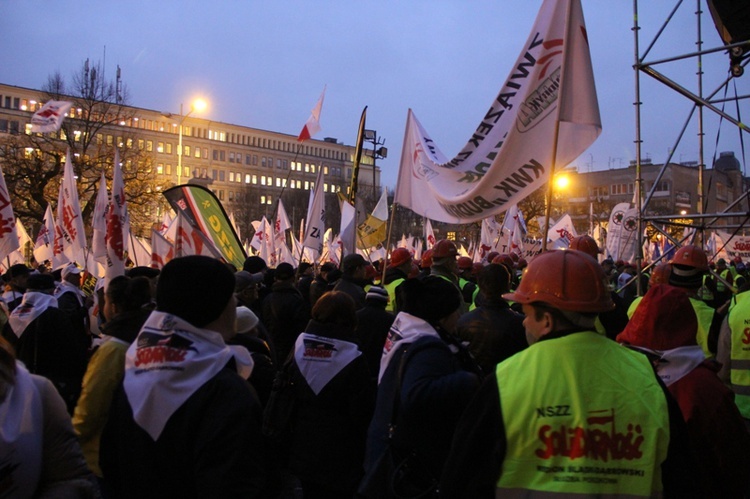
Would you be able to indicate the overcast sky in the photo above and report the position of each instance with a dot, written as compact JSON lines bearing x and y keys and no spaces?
{"x":264,"y":64}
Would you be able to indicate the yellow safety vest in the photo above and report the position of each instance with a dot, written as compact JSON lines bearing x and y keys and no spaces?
{"x":391,"y":288}
{"x":573,"y":427}
{"x":720,"y":286}
{"x":739,"y":374}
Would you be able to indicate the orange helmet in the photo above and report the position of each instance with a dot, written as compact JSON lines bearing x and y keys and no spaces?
{"x":660,"y":274}
{"x":444,"y":249}
{"x":400,"y":256}
{"x":426,"y":259}
{"x":585,"y":243}
{"x":476,"y":268}
{"x":465,"y":263}
{"x":567,"y":280}
{"x":491,"y":256}
{"x":691,"y":256}
{"x":504,"y":259}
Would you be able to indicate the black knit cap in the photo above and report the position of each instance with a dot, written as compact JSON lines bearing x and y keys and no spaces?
{"x":430,"y":299}
{"x":194,"y":288}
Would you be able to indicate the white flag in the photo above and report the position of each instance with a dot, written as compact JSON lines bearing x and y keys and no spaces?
{"x":116,"y":221}
{"x":99,"y":223}
{"x":312,"y":126}
{"x":50,"y":117}
{"x":191,"y":241}
{"x":8,"y":232}
{"x":549,"y":94}
{"x":621,"y":232}
{"x":348,"y":227}
{"x":139,"y":251}
{"x":429,"y":234}
{"x":261,"y":233}
{"x":316,"y":217}
{"x":280,"y":226}
{"x":69,"y":219}
{"x":162,"y":250}
{"x":43,"y":249}
{"x":562,"y":232}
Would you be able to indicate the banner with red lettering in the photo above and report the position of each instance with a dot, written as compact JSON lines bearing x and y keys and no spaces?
{"x":8,"y":233}
{"x":116,"y":216}
{"x":72,"y":238}
{"x":549,"y":99}
{"x":205,"y":212}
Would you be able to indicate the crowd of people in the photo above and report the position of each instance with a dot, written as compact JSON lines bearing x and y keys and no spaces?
{"x":438,"y":377}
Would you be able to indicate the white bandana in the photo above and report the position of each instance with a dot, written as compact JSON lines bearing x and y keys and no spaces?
{"x":168,"y":361}
{"x":21,"y":421}
{"x":31,"y":307}
{"x":406,"y":329}
{"x":676,"y":363}
{"x":320,"y":359}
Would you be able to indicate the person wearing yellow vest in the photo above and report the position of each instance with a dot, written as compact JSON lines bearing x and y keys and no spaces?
{"x":396,"y":273}
{"x":444,"y":265}
{"x":724,"y":285}
{"x":466,"y":280}
{"x":689,"y":264}
{"x":575,"y":414}
{"x":734,"y":353}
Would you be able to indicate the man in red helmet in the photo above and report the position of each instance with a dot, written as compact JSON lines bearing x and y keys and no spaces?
{"x":466,"y":280}
{"x":575,"y":414}
{"x":689,"y":265}
{"x":397,"y":272}
{"x":444,"y":265}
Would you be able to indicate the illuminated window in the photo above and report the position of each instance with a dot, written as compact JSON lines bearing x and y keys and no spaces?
{"x":186,"y":171}
{"x":255,"y":180}
{"x":307,"y":167}
{"x":262,"y":180}
{"x":307,"y":185}
{"x":312,"y":168}
{"x":198,"y":153}
{"x":149,"y":144}
{"x":238,"y":177}
{"x":168,"y":149}
{"x":168,"y":169}
{"x":231,"y":176}
{"x":247,"y":178}
{"x":160,"y":169}
{"x":325,"y":187}
{"x":141,"y":143}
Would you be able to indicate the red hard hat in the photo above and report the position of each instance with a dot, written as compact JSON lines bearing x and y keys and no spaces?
{"x":476,"y":268}
{"x":567,"y":280}
{"x":691,"y":256}
{"x":522,"y":263}
{"x":491,"y":256}
{"x":465,"y":263}
{"x":444,"y":249}
{"x":427,"y":259}
{"x":400,"y":256}
{"x":660,"y":274}
{"x":586,"y":244}
{"x":504,"y":259}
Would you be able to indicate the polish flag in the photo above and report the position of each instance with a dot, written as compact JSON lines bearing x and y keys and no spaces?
{"x":312,"y":126}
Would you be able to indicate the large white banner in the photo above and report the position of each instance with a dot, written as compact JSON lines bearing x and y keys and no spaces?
{"x":549,"y":94}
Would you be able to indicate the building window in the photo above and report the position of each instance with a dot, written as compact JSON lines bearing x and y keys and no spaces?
{"x":149,"y":145}
{"x":168,"y":169}
{"x":247,"y":178}
{"x":231,"y":158}
{"x":238,"y":177}
{"x":230,"y":195}
{"x":221,"y":195}
{"x":160,"y":147}
{"x":222,"y":175}
{"x":160,"y":169}
{"x":255,"y":180}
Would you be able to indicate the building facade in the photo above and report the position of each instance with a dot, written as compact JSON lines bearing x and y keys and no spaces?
{"x":590,"y":196}
{"x":247,"y":168}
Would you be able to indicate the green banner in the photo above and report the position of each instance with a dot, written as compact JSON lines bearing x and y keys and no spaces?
{"x":205,"y":212}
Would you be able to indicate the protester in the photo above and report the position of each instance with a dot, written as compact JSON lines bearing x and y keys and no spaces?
{"x":126,"y":308}
{"x":15,"y":286}
{"x":444,"y":265}
{"x":572,"y":404}
{"x":39,"y":452}
{"x":397,"y":272}
{"x":71,"y":299}
{"x":249,"y":336}
{"x":373,"y":324}
{"x":426,"y":380}
{"x":321,"y":282}
{"x":493,"y":331}
{"x":305,"y":274}
{"x":663,"y":328}
{"x":186,"y":423}
{"x":353,"y":278}
{"x":285,"y":312}
{"x":46,"y":341}
{"x":335,"y":399}
{"x":734,"y":355}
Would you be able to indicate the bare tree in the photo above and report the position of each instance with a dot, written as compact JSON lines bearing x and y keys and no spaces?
{"x":97,"y":123}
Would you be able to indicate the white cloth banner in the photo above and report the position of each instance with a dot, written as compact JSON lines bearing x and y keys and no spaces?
{"x":116,"y":222}
{"x":622,"y":235}
{"x":69,"y":219}
{"x":8,"y":231}
{"x":549,"y":94}
{"x":45,"y":238}
{"x":316,"y":216}
{"x":50,"y":116}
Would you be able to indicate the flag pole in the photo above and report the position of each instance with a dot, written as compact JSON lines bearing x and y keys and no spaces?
{"x":550,"y":187}
{"x":388,"y":240}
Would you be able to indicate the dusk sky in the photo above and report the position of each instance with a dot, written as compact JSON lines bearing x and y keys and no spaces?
{"x":264,"y":64}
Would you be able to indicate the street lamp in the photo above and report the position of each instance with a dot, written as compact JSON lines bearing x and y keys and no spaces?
{"x":371,"y":136}
{"x":197,"y":105}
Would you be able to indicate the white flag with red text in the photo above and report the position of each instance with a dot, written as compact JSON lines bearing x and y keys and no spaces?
{"x":549,"y":99}
{"x":316,"y":217}
{"x":45,"y":238}
{"x":69,"y":218}
{"x":162,"y":250}
{"x":191,"y":241}
{"x":50,"y":116}
{"x":429,"y":234}
{"x":116,"y":221}
{"x":8,"y":232}
{"x":562,"y":233}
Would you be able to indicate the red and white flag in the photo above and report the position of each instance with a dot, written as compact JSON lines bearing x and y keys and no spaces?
{"x":8,"y":232}
{"x":312,"y":126}
{"x":50,"y":116}
{"x":72,"y":237}
{"x":548,"y":100}
{"x":45,"y":238}
{"x":191,"y":241}
{"x":116,"y":221}
{"x":99,"y":223}
{"x":429,"y":234}
{"x":259,"y":241}
{"x":162,"y":250}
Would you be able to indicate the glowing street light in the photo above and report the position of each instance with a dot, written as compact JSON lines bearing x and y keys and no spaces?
{"x":562,"y":182}
{"x":197,"y":105}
